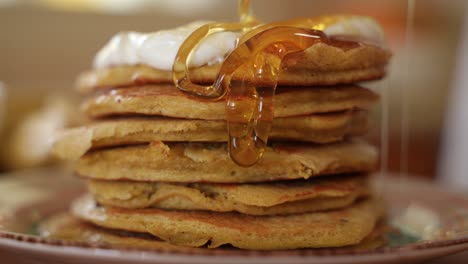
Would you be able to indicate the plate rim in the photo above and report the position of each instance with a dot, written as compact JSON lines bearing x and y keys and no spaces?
{"x":72,"y":248}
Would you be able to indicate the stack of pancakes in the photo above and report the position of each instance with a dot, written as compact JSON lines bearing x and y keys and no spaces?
{"x":157,"y":163}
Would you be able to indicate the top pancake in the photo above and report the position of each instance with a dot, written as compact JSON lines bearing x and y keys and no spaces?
{"x":321,"y":64}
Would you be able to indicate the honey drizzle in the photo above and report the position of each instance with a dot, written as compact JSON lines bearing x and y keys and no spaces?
{"x":317,"y":23}
{"x":180,"y":69}
{"x":258,"y":56}
{"x":249,"y":108}
{"x":245,"y":12}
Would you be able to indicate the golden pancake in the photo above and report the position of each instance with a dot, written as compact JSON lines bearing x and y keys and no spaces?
{"x":320,"y":64}
{"x":166,"y":100}
{"x":336,"y":228}
{"x":184,"y":162}
{"x":255,"y":199}
{"x":324,"y":128}
{"x":65,"y":227}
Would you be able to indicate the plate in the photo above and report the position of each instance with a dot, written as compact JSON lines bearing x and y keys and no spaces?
{"x":427,"y":222}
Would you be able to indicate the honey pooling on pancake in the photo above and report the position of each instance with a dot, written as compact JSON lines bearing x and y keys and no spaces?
{"x":249,"y":104}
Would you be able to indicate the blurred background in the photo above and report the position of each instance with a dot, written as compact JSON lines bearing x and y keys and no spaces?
{"x":44,"y":44}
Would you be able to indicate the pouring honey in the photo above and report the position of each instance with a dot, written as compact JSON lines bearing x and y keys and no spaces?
{"x":258,"y":55}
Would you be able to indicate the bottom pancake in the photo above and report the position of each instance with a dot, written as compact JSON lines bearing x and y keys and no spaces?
{"x":272,"y":198}
{"x":337,"y":228}
{"x":65,"y":227}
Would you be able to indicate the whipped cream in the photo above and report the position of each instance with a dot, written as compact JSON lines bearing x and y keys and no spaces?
{"x":159,"y":49}
{"x":364,"y":28}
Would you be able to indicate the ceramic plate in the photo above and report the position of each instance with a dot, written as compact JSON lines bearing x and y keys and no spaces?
{"x":426,"y":221}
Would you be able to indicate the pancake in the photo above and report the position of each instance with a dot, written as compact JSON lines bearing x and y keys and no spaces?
{"x":324,"y":128}
{"x":167,"y":101}
{"x":253,"y":199}
{"x":337,"y":228}
{"x":320,"y":64}
{"x":185,"y":162}
{"x":65,"y":227}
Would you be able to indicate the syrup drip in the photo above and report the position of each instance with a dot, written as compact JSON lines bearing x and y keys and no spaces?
{"x":245,"y":12}
{"x":317,"y":23}
{"x":258,"y":56}
{"x":180,"y":69}
{"x":249,"y":108}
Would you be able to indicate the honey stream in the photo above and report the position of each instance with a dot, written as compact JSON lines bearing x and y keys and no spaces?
{"x":248,"y":76}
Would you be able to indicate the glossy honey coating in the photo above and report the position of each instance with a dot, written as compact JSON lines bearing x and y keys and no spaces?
{"x":259,"y":54}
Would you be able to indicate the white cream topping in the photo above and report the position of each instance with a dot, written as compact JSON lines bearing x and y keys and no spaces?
{"x":158,"y":49}
{"x":361,"y":27}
